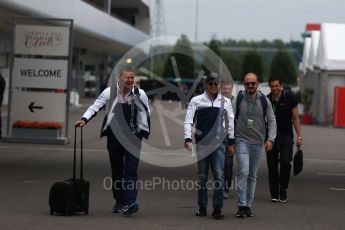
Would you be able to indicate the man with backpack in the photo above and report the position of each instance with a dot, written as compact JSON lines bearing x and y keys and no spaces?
{"x":253,"y":114}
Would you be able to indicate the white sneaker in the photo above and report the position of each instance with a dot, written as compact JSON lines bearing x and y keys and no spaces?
{"x":274,"y":200}
{"x":225,"y":195}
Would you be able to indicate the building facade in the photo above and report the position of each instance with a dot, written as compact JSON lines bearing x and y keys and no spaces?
{"x":104,"y":30}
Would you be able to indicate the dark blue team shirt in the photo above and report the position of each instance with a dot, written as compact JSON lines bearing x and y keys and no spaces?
{"x":283,"y":112}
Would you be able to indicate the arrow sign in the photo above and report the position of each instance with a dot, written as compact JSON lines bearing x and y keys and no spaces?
{"x":38,"y":106}
{"x":32,"y":107}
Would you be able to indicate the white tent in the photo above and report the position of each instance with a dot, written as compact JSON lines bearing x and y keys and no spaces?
{"x":329,"y":63}
{"x":310,"y":78}
{"x":331,"y":49}
{"x":306,"y":48}
{"x":315,"y":37}
{"x":310,"y":75}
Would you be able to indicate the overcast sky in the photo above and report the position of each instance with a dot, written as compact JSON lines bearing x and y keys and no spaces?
{"x":249,"y":19}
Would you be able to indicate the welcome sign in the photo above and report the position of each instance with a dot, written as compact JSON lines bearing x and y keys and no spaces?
{"x":41,"y":40}
{"x":40,"y":73}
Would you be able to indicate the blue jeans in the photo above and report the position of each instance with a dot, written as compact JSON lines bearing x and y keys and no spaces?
{"x":248,"y":158}
{"x":215,"y":161}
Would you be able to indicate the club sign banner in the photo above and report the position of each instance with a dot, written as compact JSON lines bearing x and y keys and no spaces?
{"x":41,"y":40}
{"x":40,"y":73}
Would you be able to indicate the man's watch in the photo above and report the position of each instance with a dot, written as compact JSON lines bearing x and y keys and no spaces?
{"x":300,"y":138}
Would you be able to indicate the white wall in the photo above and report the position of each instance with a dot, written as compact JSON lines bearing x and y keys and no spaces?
{"x":86,"y":18}
{"x":324,"y":92}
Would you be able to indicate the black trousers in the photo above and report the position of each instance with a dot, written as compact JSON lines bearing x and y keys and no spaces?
{"x":228,"y":165}
{"x":0,"y":123}
{"x":124,"y":166}
{"x":279,"y":164}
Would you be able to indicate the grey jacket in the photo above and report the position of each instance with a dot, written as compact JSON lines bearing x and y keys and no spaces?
{"x":256,"y":134}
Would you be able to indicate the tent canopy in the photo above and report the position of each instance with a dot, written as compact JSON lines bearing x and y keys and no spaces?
{"x":315,"y":38}
{"x":303,"y":64}
{"x":330,"y":53}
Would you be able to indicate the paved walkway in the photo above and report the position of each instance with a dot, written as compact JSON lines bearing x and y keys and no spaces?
{"x":316,"y":197}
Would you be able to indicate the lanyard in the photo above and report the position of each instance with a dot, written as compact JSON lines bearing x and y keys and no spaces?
{"x":275,"y":103}
{"x":274,"y":106}
{"x":250,"y":109}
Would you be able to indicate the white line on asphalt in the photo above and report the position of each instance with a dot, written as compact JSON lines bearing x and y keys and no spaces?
{"x":84,"y":149}
{"x":331,"y":174}
{"x":49,"y":149}
{"x":103,"y":150}
{"x":337,"y":189}
{"x":40,"y":181}
{"x":324,"y":160}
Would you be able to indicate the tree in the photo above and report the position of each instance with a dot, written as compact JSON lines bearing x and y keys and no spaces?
{"x":278,"y":43}
{"x":252,"y":63}
{"x":283,"y":67}
{"x":184,"y":57}
{"x":233,"y":63}
{"x":214,"y":46}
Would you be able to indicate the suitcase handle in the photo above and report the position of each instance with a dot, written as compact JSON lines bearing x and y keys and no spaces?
{"x":75,"y":152}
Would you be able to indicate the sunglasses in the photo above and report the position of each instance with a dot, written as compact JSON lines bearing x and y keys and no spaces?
{"x":250,"y":83}
{"x":212,"y":83}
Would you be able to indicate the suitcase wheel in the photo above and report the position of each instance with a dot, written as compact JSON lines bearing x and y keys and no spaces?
{"x":86,"y":212}
{"x":51,"y":212}
{"x":68,"y":213}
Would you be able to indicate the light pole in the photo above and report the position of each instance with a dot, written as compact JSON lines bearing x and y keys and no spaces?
{"x":196,"y":33}
{"x":196,"y":20}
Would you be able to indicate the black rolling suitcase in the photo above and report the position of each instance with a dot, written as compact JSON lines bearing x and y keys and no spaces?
{"x":72,"y":195}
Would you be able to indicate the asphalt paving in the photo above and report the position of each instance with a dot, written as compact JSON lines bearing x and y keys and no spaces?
{"x":167,"y":196}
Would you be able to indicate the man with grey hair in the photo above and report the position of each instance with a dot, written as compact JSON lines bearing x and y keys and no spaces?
{"x":226,"y":87}
{"x":126,"y":123}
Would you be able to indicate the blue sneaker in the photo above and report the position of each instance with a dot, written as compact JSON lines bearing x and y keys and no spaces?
{"x":130,"y":209}
{"x":117,"y":207}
